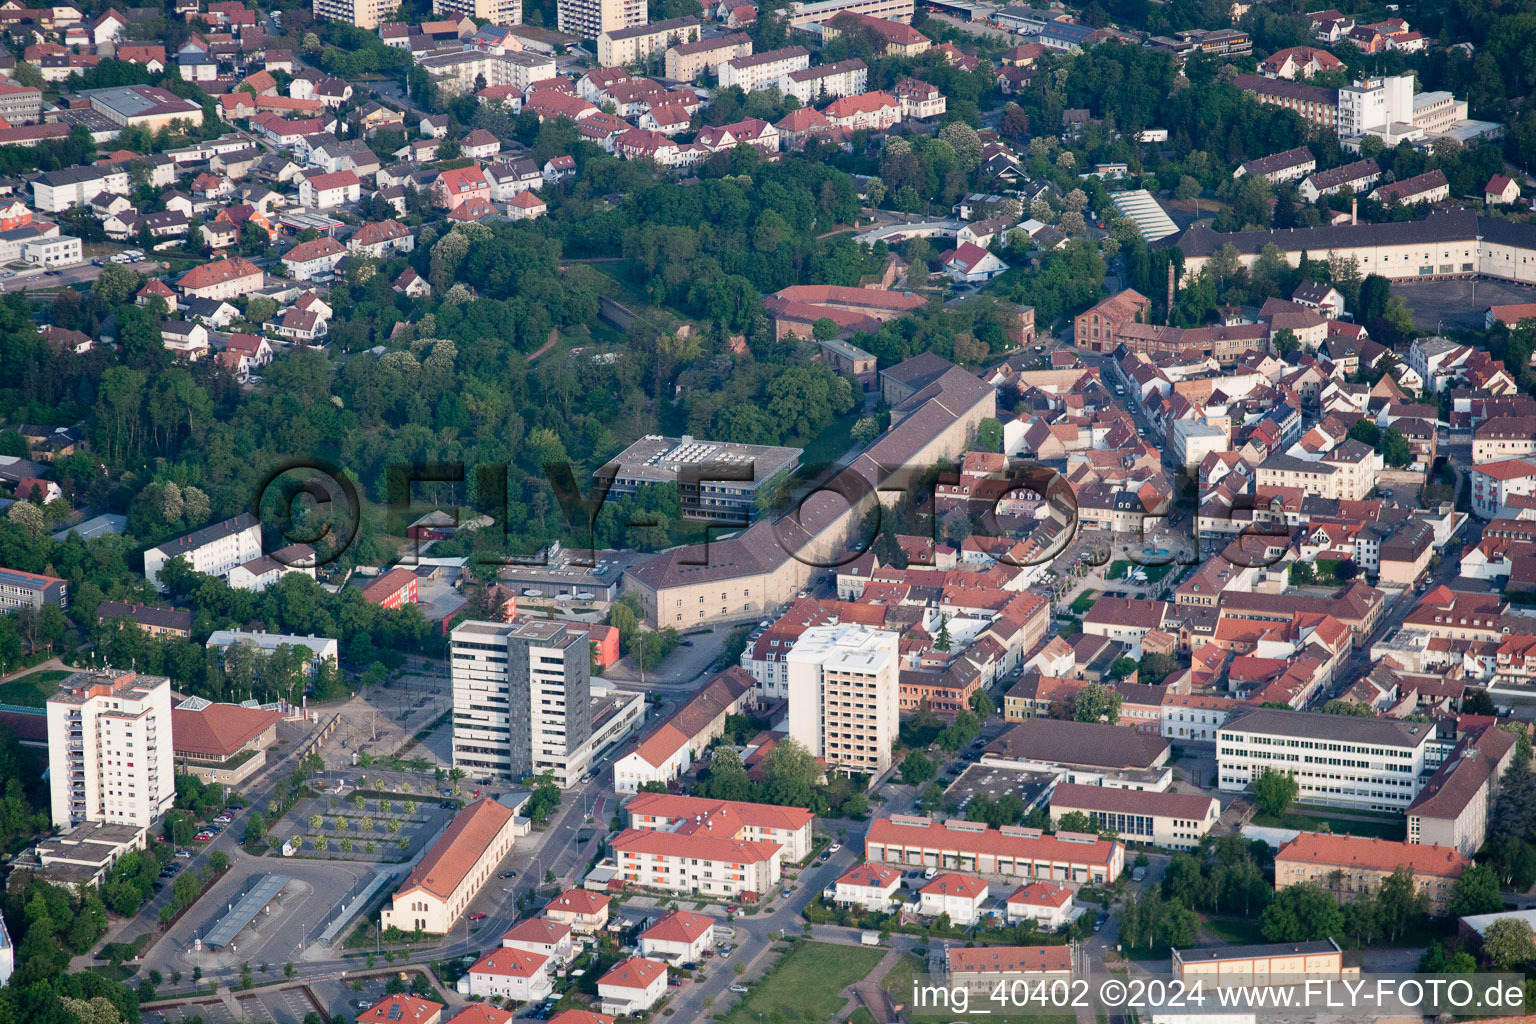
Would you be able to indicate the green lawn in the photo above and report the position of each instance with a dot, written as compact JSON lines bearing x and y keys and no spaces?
{"x":807,"y":984}
{"x":1120,"y":567}
{"x":33,"y":689}
{"x":1084,"y":601}
{"x":1320,"y":821}
{"x":1236,"y":931}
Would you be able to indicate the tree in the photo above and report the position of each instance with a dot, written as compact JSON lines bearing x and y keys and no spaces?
{"x":1286,"y":342}
{"x":942,"y":642}
{"x":982,"y":705}
{"x":1508,"y":943}
{"x":1121,"y":667}
{"x":931,"y":798}
{"x":1274,"y":791}
{"x":790,"y":774}
{"x":727,"y":777}
{"x":1301,"y":913}
{"x":1097,"y":703}
{"x":1399,"y":902}
{"x":1154,"y":667}
{"x":917,"y":768}
{"x":1366,"y":432}
{"x":1394,"y":448}
{"x":1075,"y":821}
{"x":1475,"y":892}
{"x":1375,"y":290}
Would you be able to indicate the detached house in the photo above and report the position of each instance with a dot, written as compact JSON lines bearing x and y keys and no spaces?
{"x":456,"y":187}
{"x":971,"y":264}
{"x":381,"y":239}
{"x":325,"y":191}
{"x":309,"y":260}
{"x":222,"y":279}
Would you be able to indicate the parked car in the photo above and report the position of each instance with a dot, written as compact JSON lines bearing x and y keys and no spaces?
{"x":507,"y":874}
{"x":834,"y":847}
{"x":184,"y":854}
{"x":477,"y":916}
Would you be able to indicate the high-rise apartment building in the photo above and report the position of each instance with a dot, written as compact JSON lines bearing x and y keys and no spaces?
{"x":521,"y":699}
{"x":1375,"y":103}
{"x":497,"y":12}
{"x":843,"y":696}
{"x":589,"y":19}
{"x":363,"y":13}
{"x":109,"y":749}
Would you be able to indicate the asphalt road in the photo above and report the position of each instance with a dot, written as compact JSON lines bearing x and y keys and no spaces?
{"x":85,"y":273}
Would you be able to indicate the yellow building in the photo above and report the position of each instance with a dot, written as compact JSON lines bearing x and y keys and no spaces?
{"x":1277,"y":964}
{"x":440,"y":888}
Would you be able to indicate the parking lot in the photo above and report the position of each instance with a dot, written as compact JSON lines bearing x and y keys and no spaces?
{"x":1444,"y":305}
{"x":262,"y":1006}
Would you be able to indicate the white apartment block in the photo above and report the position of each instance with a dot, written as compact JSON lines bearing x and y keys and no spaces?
{"x":621,"y":47}
{"x":789,"y":827}
{"x":588,"y":19}
{"x":110,"y":755}
{"x":1371,"y":764}
{"x":1494,"y":483}
{"x":1194,"y":719}
{"x":58,"y":251}
{"x":826,"y":81}
{"x":521,"y":700}
{"x":696,"y":863}
{"x":763,"y":70}
{"x":457,"y":72}
{"x":213,"y":550}
{"x":497,"y":12}
{"x":843,"y":696}
{"x":55,"y":191}
{"x":1375,"y":103}
{"x":365,"y":14}
{"x":802,"y":15}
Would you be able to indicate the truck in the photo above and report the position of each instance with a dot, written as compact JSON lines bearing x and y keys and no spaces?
{"x":869,"y":939}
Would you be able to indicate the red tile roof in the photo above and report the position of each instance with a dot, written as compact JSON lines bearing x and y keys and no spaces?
{"x":679,"y":926}
{"x":579,"y":901}
{"x":1041,"y":894}
{"x":871,"y":876}
{"x":389,"y":584}
{"x":1010,"y":959}
{"x":636,"y":972}
{"x":674,"y":806}
{"x":448,"y":862}
{"x":952,"y":884}
{"x":400,"y":1009}
{"x":1343,"y":851}
{"x":538,"y":929}
{"x":513,"y":963}
{"x":218,"y":730}
{"x":218,"y":272}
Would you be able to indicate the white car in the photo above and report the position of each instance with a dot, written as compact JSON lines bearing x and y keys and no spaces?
{"x":834,"y":847}
{"x":738,"y":988}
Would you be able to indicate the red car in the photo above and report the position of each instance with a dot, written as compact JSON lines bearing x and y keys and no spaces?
{"x":477,"y":917}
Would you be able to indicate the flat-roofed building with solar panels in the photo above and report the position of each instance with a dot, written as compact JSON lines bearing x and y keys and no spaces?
{"x":716,"y":480}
